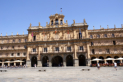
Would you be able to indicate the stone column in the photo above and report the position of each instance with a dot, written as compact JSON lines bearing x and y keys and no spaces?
{"x":64,"y":63}
{"x":20,"y":63}
{"x":14,"y":64}
{"x":75,"y":55}
{"x":2,"y":63}
{"x":39,"y":64}
{"x":50,"y":64}
{"x":120,"y":61}
{"x":76,"y":62}
{"x":28,"y":63}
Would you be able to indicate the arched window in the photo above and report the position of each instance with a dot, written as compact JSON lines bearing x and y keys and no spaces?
{"x":61,"y":23}
{"x":56,"y":22}
{"x":52,"y":22}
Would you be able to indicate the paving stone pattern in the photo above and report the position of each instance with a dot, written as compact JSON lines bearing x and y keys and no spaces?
{"x":63,"y":74}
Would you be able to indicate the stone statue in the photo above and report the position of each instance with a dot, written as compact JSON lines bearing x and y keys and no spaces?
{"x":66,"y":21}
{"x":73,"y":21}
{"x":84,"y":21}
{"x":1,"y":34}
{"x":6,"y":34}
{"x":30,"y":24}
{"x":39,"y":23}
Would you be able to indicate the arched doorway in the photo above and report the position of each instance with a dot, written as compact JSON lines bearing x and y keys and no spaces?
{"x":33,"y":61}
{"x":24,"y":61}
{"x":57,"y":61}
{"x":82,"y":61}
{"x":45,"y":61}
{"x":12,"y":64}
{"x":101,"y":61}
{"x":69,"y":60}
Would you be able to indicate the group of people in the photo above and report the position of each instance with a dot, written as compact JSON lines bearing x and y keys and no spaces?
{"x":115,"y":65}
{"x":20,"y":66}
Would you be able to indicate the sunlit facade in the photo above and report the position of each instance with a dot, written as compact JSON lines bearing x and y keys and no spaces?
{"x":60,"y":44}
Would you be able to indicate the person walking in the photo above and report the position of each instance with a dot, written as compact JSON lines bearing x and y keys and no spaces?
{"x":98,"y":65}
{"x":115,"y":65}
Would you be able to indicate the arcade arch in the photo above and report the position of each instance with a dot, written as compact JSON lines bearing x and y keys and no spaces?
{"x":45,"y":61}
{"x":57,"y":61}
{"x":82,"y":60}
{"x":33,"y":61}
{"x":69,"y":60}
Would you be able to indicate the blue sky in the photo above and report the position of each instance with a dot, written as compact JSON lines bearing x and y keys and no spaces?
{"x":16,"y":15}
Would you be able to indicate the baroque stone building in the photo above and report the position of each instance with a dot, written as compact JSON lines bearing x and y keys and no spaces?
{"x":59,"y":43}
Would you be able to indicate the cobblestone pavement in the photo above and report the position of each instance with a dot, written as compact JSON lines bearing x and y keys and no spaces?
{"x":63,"y":74}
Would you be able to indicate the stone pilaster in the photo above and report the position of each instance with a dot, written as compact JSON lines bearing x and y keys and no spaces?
{"x":88,"y":55}
{"x":39,"y":63}
{"x":76,"y":62}
{"x":50,"y":64}
{"x":28,"y":63}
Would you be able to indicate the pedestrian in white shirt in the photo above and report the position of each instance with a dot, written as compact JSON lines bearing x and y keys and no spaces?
{"x":115,"y":65}
{"x":98,"y":65}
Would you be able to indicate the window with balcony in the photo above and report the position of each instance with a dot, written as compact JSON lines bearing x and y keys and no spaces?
{"x":98,"y":36}
{"x":81,"y":48}
{"x":12,"y":47}
{"x":105,"y":35}
{"x":1,"y":47}
{"x":25,"y":46}
{"x":113,"y":35}
{"x":93,"y":52}
{"x":7,"y":47}
{"x":13,"y":41}
{"x":91,"y":36}
{"x":25,"y":40}
{"x":107,"y":51}
{"x":57,"y":48}
{"x":68,"y":48}
{"x":45,"y":49}
{"x":24,"y":54}
{"x":19,"y":41}
{"x":34,"y":49}
{"x":12,"y":54}
{"x":115,"y":50}
{"x":80,"y":35}
{"x":18,"y":54}
{"x":100,"y":51}
{"x":92,"y":43}
{"x":34,"y":38}
{"x":114,"y":42}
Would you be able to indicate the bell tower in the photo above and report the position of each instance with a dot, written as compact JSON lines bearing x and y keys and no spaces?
{"x":56,"y":20}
